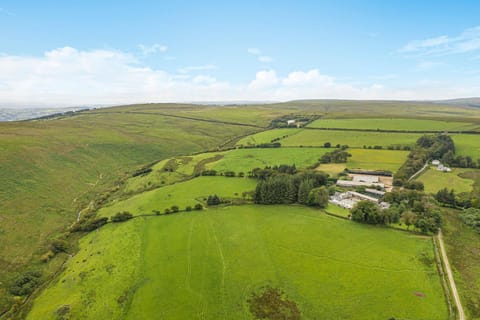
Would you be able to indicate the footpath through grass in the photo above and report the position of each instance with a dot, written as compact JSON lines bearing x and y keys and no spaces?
{"x":208,"y":264}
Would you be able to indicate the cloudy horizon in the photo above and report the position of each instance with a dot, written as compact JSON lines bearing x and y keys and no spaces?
{"x":385,"y":58}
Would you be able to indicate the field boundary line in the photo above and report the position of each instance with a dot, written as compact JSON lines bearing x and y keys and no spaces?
{"x":396,"y":131}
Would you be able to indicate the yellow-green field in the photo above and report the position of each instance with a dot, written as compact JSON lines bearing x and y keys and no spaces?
{"x":357,"y":139}
{"x":435,"y":180}
{"x":394,"y":124}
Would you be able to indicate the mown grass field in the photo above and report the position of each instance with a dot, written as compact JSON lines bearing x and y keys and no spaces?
{"x":353,"y":139}
{"x":390,"y":160}
{"x":368,"y":159}
{"x":207,"y":265}
{"x":394,"y":124}
{"x":435,"y":180}
{"x":244,"y":160}
{"x":182,"y":194}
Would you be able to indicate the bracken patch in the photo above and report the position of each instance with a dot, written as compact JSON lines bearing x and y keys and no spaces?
{"x":272,"y":304}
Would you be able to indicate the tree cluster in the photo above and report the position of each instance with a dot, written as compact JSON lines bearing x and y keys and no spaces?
{"x":450,"y":159}
{"x":25,"y":283}
{"x":426,"y":147}
{"x":336,"y":156}
{"x":213,"y":200}
{"x":302,"y":187}
{"x":121,"y":216}
{"x":471,"y":217}
{"x":412,"y":207}
{"x":446,"y":197}
{"x":88,"y":223}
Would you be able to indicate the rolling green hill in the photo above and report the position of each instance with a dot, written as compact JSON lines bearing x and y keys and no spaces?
{"x":208,"y":264}
{"x":53,"y":169}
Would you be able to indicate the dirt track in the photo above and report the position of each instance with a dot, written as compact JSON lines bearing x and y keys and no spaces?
{"x":451,"y":281}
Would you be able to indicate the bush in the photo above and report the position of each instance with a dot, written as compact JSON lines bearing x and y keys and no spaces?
{"x":167,"y":211}
{"x":198,"y":206}
{"x":25,"y":283}
{"x":89,"y":224}
{"x":213,"y":200}
{"x":175,"y":209}
{"x":229,"y":174}
{"x":188,"y":208}
{"x":121,"y":216}
{"x":59,"y":245}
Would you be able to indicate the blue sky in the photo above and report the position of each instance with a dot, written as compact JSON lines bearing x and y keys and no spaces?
{"x":108,"y":52}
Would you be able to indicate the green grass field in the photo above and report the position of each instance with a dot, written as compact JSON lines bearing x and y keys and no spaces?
{"x":207,"y":264}
{"x":467,"y":145}
{"x":463,"y":250}
{"x":267,"y":136}
{"x":390,"y":160}
{"x":353,"y":139}
{"x":368,"y":159}
{"x":435,"y":180}
{"x":394,"y":124}
{"x":51,"y":169}
{"x":181,"y":194}
{"x":244,"y":160}
{"x":239,"y":160}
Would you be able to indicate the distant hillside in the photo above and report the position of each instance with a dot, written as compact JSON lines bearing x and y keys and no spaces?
{"x":464,"y":102}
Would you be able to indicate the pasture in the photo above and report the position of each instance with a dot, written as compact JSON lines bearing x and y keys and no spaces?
{"x":50,"y":169}
{"x":467,"y":145}
{"x":244,"y":160}
{"x":267,"y":136}
{"x":435,"y":180}
{"x":390,"y":160}
{"x":182,"y":194}
{"x":310,"y":137}
{"x":463,"y":250}
{"x":368,"y":159}
{"x":208,"y":264}
{"x":394,"y":124}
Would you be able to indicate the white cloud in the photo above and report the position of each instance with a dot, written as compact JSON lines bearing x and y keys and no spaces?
{"x":265,"y":59}
{"x":264,"y":79}
{"x":254,"y":51}
{"x":467,"y":41}
{"x":197,"y":68}
{"x":152,"y":49}
{"x":71,"y":77}
{"x":260,"y":57}
{"x":427,"y":65}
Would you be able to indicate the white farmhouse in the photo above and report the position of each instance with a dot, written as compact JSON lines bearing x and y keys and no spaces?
{"x":289,"y":122}
{"x":435,"y":162}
